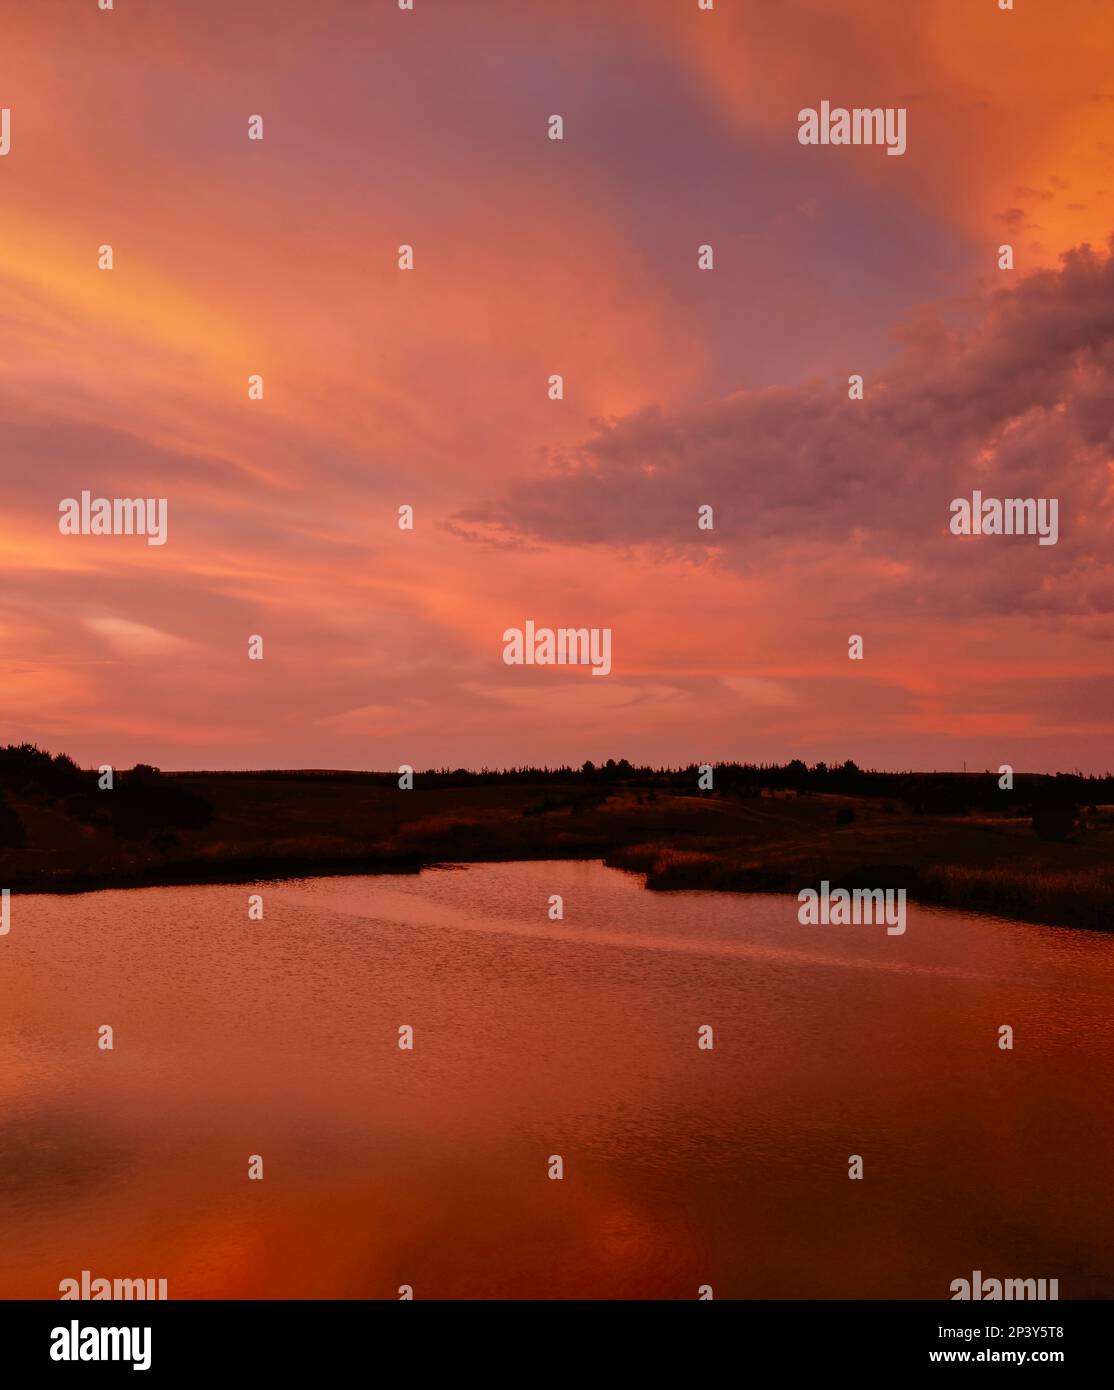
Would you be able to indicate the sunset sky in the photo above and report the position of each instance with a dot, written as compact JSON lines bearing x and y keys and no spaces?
{"x":682,"y":387}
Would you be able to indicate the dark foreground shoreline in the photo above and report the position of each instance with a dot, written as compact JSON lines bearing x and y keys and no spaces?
{"x":257,"y":827}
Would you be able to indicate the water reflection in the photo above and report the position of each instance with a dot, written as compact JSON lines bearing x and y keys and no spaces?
{"x":533,"y":1038}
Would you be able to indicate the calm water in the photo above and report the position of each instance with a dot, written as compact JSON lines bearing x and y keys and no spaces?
{"x":682,"y":1167}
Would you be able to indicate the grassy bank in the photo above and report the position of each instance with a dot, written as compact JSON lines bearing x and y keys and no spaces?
{"x":229,"y":828}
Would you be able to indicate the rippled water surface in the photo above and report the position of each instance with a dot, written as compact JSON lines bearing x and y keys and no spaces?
{"x":535,"y":1038}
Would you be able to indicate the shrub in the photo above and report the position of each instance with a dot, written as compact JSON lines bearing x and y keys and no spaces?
{"x":1054,"y":822}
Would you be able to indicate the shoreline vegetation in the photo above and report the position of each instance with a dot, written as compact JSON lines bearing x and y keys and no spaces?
{"x":1041,"y":851}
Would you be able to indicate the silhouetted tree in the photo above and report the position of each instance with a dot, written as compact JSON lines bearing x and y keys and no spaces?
{"x":13,"y":833}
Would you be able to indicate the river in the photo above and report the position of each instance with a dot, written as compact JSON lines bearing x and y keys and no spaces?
{"x":683,"y":1167}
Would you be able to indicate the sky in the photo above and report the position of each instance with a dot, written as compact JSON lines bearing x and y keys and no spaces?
{"x":683,"y":387}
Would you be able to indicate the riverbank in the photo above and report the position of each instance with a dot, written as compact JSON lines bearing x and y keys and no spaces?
{"x":261,"y":828}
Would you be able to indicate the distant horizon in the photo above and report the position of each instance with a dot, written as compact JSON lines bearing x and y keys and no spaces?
{"x":598,"y":766}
